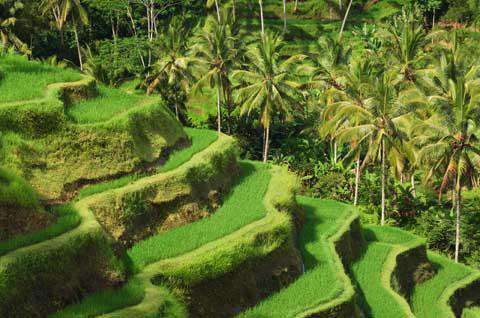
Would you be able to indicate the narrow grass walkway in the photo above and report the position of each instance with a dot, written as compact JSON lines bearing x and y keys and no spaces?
{"x":430,"y":299}
{"x":321,"y":282}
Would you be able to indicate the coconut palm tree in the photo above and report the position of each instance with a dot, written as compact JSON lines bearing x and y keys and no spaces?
{"x":449,"y":139}
{"x":268,"y":85}
{"x":355,"y":91}
{"x":175,"y":68}
{"x":374,"y":122}
{"x":407,"y":37}
{"x":65,"y":10}
{"x":327,"y":70}
{"x":217,"y":52}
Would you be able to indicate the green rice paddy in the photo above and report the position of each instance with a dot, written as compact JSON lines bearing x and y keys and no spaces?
{"x":320,"y":283}
{"x":242,"y":206}
{"x":427,"y":301}
{"x":110,"y":102}
{"x":23,"y":80}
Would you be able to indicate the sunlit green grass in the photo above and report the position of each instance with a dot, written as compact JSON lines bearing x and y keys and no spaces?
{"x":67,"y":219}
{"x":242,"y":206}
{"x":200,"y":140}
{"x":377,"y":301}
{"x":23,"y":80}
{"x":426,"y":301}
{"x":109,"y":103}
{"x":387,"y":234}
{"x":320,"y":282}
{"x":471,"y":312}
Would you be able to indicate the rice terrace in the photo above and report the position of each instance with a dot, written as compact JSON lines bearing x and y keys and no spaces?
{"x":239,"y":158}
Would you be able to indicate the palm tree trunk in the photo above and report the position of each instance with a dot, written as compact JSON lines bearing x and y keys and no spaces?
{"x":345,"y":18}
{"x":260,"y":2}
{"x":284,"y":16}
{"x":357,"y":181}
{"x":457,"y":225}
{"x":383,"y":182}
{"x":77,"y":41}
{"x":219,"y":108}
{"x":234,"y":10}
{"x":296,"y":6}
{"x":335,"y":152}
{"x":267,"y":141}
{"x":218,"y":10}
{"x":412,"y":180}
{"x":176,"y":111}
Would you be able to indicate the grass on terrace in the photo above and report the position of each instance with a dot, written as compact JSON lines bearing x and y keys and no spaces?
{"x":67,"y":219}
{"x":105,"y":301}
{"x":242,"y":206}
{"x":110,"y":102}
{"x":200,"y":140}
{"x":320,"y":283}
{"x":471,"y":312}
{"x":426,"y":302}
{"x":23,"y":80}
{"x":376,"y":300}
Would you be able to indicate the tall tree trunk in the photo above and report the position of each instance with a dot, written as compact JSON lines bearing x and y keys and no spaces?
{"x":234,"y":10}
{"x":335,"y":147}
{"x":284,"y":16}
{"x":267,"y":142}
{"x":383,"y":181}
{"x":345,"y":18}
{"x":260,"y":2}
{"x":433,"y":19}
{"x":296,"y":6}
{"x":458,"y":219}
{"x":75,"y":31}
{"x":176,"y":111}
{"x":219,"y":108}
{"x":357,"y":181}
{"x":412,"y":181}
{"x":218,"y":11}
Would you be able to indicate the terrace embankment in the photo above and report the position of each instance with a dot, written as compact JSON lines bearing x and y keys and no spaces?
{"x":167,"y":200}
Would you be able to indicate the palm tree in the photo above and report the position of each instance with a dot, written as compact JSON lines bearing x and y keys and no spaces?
{"x":210,"y":3}
{"x":62,"y":11}
{"x":374,"y":122}
{"x":408,"y":37}
{"x":175,"y":67}
{"x":355,"y":92}
{"x":327,"y":70}
{"x":216,"y":49}
{"x":449,"y":138}
{"x":268,"y":85}
{"x":7,"y":36}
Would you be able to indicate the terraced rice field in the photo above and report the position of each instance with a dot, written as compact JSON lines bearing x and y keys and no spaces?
{"x":21,"y":80}
{"x":430,"y":299}
{"x":323,"y":280}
